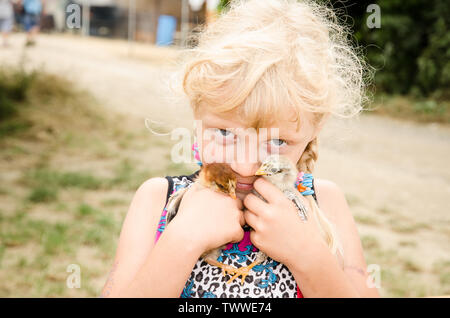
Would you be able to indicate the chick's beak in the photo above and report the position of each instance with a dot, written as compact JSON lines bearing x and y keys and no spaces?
{"x":261,"y":172}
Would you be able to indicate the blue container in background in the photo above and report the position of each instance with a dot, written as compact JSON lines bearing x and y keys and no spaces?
{"x":167,"y":25}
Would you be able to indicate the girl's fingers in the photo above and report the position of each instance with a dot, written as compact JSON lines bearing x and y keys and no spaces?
{"x":267,"y":190}
{"x":239,"y":236}
{"x":250,"y":218}
{"x":239,"y":204}
{"x":242,"y":218}
{"x":252,"y":202}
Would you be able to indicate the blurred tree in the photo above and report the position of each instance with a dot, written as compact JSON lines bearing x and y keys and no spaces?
{"x":411,"y":49}
{"x":223,"y":4}
{"x":434,"y":60}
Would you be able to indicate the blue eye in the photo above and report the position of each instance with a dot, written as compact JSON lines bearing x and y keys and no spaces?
{"x":277,"y":142}
{"x":225,"y":132}
{"x":224,"y":136}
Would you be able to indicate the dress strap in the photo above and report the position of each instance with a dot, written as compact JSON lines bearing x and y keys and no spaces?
{"x":169,"y":188}
{"x":314,"y":194}
{"x":175,"y":183}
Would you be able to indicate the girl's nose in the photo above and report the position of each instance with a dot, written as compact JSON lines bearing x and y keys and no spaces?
{"x":244,"y":169}
{"x":246,"y":161}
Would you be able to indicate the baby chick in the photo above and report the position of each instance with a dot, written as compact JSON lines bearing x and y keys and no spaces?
{"x":218,"y":177}
{"x":282,"y":173}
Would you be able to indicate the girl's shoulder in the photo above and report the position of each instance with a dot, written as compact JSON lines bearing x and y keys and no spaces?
{"x":154,"y":187}
{"x":330,"y":197}
{"x":332,"y":202}
{"x":327,"y":190}
{"x":324,"y":187}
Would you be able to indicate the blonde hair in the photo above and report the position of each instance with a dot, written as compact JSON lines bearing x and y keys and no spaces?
{"x":261,"y":56}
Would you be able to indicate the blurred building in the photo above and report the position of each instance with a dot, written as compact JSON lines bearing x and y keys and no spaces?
{"x":149,"y":11}
{"x":134,"y":19}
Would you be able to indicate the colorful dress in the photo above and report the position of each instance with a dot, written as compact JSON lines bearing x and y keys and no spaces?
{"x":269,"y":279}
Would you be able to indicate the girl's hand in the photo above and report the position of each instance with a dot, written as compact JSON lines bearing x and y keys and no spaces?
{"x":209,"y":219}
{"x":278,"y":230}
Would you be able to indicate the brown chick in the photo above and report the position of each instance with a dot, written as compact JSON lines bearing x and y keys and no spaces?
{"x":218,"y":177}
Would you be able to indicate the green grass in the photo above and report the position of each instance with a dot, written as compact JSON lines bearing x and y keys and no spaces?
{"x":128,"y":175}
{"x":15,"y":84}
{"x":45,"y":184}
{"x":79,"y":180}
{"x":407,"y":243}
{"x":411,"y":108}
{"x":22,"y":262}
{"x":85,"y":210}
{"x":178,"y":168}
{"x":55,"y":243}
{"x":385,"y":210}
{"x":21,"y":91}
{"x":403,"y":284}
{"x":442,"y":269}
{"x":410,"y":266}
{"x":55,"y":239}
{"x":43,"y":194}
{"x":364,"y":219}
{"x":2,"y":253}
{"x":402,"y":276}
{"x":49,"y":177}
{"x":50,"y":220}
{"x":352,"y":200}
{"x":14,"y":126}
{"x":123,"y":173}
{"x":113,"y":202}
{"x":369,"y":242}
{"x":402,"y":225}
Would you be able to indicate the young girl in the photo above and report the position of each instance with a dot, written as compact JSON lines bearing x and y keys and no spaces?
{"x":264,"y":64}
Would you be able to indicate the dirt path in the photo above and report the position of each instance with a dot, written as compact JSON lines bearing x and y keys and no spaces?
{"x":395,"y":174}
{"x":397,"y":180}
{"x":128,"y":78}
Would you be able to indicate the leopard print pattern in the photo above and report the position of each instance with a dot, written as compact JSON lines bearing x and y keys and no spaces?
{"x":269,"y":279}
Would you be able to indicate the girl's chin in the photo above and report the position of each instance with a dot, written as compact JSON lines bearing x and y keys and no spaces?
{"x":242,"y":194}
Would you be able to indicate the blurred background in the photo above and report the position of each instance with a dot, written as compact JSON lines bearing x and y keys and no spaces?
{"x":79,"y":78}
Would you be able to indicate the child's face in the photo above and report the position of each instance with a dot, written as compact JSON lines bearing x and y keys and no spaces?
{"x":226,"y":139}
